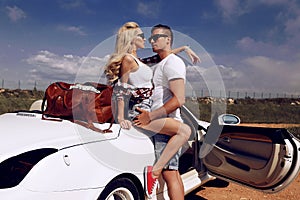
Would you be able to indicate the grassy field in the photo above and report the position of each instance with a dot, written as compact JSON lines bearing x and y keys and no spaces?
{"x":283,"y":113}
{"x":14,"y":100}
{"x":251,"y":110}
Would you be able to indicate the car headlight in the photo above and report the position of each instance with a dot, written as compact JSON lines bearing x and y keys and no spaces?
{"x":13,"y":170}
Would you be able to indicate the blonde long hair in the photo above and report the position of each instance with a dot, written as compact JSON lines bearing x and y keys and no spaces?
{"x":123,"y":45}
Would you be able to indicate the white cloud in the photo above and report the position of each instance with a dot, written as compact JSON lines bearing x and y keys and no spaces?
{"x":260,"y":73}
{"x":15,"y":14}
{"x":73,"y":29}
{"x":268,"y":73}
{"x":249,"y":44}
{"x":212,"y":79}
{"x":273,"y":2}
{"x":246,"y":43}
{"x":287,"y":29}
{"x":77,"y":5}
{"x":49,"y":66}
{"x":229,"y":73}
{"x":291,"y":20}
{"x":286,"y":51}
{"x":264,"y":64}
{"x":232,"y":78}
{"x":292,"y":26}
{"x":231,"y":8}
{"x":149,"y":9}
{"x":71,"y":4}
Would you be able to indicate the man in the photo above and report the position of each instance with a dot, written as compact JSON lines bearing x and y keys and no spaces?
{"x":168,"y":96}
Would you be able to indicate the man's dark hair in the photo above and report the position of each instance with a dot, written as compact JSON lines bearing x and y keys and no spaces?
{"x":165,"y":27}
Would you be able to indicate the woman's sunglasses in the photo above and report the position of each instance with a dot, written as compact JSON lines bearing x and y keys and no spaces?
{"x":142,"y":35}
{"x":156,"y":36}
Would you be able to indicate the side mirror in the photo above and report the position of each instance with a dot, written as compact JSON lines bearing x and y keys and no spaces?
{"x":228,"y":119}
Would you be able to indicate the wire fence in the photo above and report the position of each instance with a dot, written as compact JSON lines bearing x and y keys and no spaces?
{"x":235,"y":94}
{"x":24,"y":85}
{"x":245,"y":94}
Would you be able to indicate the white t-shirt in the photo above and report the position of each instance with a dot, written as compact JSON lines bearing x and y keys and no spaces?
{"x":171,"y":67}
{"x":142,"y":77}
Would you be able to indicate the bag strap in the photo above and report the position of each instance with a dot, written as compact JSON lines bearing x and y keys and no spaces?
{"x":51,"y":118}
{"x":93,"y":127}
{"x":82,"y":123}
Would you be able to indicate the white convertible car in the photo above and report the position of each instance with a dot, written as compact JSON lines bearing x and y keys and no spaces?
{"x":46,"y":159}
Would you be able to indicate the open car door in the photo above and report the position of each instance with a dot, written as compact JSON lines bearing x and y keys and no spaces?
{"x":266,"y":159}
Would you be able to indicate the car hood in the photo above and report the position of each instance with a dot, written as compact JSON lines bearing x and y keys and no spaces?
{"x":21,"y":132}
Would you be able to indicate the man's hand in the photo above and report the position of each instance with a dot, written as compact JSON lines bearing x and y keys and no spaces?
{"x":142,"y":119}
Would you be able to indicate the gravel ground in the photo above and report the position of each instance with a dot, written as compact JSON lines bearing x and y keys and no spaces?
{"x":218,"y":189}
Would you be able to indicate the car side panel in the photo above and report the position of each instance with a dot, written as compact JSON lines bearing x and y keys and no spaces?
{"x":20,"y":193}
{"x":91,"y":165}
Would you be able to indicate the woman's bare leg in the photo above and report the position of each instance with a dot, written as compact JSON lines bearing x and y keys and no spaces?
{"x":179,"y":133}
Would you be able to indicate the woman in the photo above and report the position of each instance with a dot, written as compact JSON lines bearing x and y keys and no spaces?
{"x":126,"y":68}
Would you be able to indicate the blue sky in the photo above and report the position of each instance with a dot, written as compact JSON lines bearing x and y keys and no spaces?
{"x":255,"y":44}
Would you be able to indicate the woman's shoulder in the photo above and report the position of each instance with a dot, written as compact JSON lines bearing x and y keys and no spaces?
{"x":128,"y":59}
{"x":129,"y":62}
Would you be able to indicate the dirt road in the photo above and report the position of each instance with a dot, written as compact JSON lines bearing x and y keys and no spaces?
{"x":219,"y":190}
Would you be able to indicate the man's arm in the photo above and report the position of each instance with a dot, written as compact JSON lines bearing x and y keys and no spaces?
{"x":177,"y":87}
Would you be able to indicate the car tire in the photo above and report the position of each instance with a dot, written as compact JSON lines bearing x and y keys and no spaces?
{"x":122,"y":188}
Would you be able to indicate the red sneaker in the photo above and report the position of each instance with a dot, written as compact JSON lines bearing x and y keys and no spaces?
{"x":150,"y":183}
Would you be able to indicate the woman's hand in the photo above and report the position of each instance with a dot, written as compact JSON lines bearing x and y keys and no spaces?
{"x":125,"y":124}
{"x":193,"y":56}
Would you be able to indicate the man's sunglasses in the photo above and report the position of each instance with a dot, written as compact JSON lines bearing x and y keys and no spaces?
{"x":142,"y":35}
{"x":156,"y":36}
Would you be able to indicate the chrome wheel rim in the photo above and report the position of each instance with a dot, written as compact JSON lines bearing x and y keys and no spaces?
{"x":120,"y":194}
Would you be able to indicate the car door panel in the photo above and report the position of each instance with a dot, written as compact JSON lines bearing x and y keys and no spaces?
{"x":261,"y":158}
{"x":246,"y":147}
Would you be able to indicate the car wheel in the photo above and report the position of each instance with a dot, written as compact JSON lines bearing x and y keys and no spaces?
{"x":121,"y":189}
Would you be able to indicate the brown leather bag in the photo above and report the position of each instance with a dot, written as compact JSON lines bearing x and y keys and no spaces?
{"x":80,"y":103}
